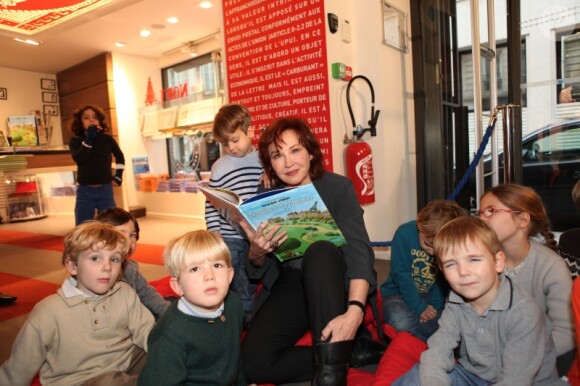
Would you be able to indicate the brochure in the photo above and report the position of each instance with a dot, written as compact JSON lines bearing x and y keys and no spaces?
{"x":299,"y":211}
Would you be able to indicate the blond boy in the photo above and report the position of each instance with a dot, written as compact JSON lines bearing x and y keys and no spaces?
{"x":94,"y":329}
{"x":500,"y":332}
{"x":197,"y":340}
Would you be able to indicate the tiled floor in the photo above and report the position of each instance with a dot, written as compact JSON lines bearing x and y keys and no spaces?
{"x":46,"y":266}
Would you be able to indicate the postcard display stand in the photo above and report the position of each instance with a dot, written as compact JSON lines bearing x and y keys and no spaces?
{"x":26,"y":202}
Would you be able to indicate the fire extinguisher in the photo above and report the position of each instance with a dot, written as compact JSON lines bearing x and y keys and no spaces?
{"x":358,"y":154}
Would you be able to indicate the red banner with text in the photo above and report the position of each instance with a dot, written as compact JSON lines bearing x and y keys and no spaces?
{"x":276,"y":63}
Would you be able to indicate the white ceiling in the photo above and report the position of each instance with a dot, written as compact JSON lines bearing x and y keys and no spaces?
{"x":88,"y":35}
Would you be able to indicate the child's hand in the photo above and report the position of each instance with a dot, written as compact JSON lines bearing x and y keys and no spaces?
{"x":92,"y":132}
{"x":429,"y":313}
{"x":264,"y":179}
{"x":118,"y":177}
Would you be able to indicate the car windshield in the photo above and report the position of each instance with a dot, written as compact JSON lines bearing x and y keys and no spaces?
{"x":551,"y":166}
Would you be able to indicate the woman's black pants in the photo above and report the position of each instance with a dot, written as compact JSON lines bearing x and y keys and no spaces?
{"x":300,"y":300}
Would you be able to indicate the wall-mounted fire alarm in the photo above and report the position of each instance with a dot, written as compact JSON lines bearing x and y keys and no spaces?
{"x":332,"y":22}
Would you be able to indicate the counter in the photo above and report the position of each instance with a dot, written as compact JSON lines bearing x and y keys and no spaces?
{"x":54,"y":161}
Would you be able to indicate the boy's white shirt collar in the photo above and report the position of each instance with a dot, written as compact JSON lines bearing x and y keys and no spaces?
{"x":187,"y":308}
{"x":70,"y":289}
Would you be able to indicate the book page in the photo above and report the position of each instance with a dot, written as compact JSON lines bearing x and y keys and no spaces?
{"x":300,"y":212}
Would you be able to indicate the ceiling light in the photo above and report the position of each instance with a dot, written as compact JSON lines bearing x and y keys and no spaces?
{"x":28,"y":41}
{"x":172,"y":20}
{"x":206,"y":4}
{"x":189,"y":49}
{"x":120,"y":44}
{"x":144,"y":33}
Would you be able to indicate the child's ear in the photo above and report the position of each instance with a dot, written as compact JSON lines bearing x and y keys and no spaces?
{"x":251,"y":131}
{"x":499,"y":262}
{"x":174,"y":284}
{"x":70,"y":266}
{"x":524,"y":219}
{"x":230,"y":275}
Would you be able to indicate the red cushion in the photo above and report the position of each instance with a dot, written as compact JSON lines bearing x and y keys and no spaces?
{"x":162,"y":286}
{"x":574,"y":373}
{"x":402,"y":354}
{"x":358,"y":377}
{"x":36,"y":380}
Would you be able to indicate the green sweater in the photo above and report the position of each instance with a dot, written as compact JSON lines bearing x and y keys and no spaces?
{"x":189,"y":350}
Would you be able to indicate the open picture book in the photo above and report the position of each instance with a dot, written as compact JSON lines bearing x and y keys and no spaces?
{"x":299,"y":211}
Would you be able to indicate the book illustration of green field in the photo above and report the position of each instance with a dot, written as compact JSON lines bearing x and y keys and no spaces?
{"x":22,"y":130}
{"x":301,"y":213}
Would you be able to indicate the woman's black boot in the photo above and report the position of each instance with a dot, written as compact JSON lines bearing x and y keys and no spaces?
{"x":331,"y":363}
{"x":366,"y":350}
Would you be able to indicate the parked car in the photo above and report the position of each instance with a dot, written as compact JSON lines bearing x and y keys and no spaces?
{"x":551,"y":166}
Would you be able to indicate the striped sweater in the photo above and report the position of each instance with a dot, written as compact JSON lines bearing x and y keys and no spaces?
{"x":238,"y":174}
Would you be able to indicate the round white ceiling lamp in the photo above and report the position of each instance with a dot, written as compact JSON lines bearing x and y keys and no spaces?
{"x":205,"y":4}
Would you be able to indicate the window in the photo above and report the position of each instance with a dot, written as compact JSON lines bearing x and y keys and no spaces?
{"x":195,"y":80}
{"x":569,"y":65}
{"x":202,"y":77}
{"x":502,"y":73}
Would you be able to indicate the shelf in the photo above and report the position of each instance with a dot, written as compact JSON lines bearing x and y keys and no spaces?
{"x":29,"y":218}
{"x":25,"y":202}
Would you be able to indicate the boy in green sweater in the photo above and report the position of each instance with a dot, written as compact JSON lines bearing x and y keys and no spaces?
{"x":197,"y":340}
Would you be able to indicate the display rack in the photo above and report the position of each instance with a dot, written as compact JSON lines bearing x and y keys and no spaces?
{"x":25,"y":202}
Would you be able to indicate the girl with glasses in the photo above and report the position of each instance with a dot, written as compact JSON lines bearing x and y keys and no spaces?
{"x":519,"y":218}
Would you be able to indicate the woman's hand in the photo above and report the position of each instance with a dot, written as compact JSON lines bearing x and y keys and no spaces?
{"x":262,"y":243}
{"x":344,"y":326}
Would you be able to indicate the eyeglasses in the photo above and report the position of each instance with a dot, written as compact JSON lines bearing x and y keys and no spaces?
{"x":490,"y":211}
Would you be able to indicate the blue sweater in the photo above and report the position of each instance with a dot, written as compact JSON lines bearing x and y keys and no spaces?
{"x":413,"y":272}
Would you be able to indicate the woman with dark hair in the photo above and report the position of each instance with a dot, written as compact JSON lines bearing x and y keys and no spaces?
{"x":93,"y":152}
{"x":325,"y":291}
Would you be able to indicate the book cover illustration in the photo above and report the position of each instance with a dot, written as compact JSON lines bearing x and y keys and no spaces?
{"x":3,"y":140}
{"x":140,"y":166}
{"x":299,"y":211}
{"x":22,"y":130}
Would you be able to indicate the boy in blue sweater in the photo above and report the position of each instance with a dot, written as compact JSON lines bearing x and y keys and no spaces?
{"x":414,"y":292}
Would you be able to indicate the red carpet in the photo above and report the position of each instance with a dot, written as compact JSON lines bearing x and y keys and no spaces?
{"x":32,"y":240}
{"x":145,"y":253}
{"x":28,"y":291}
